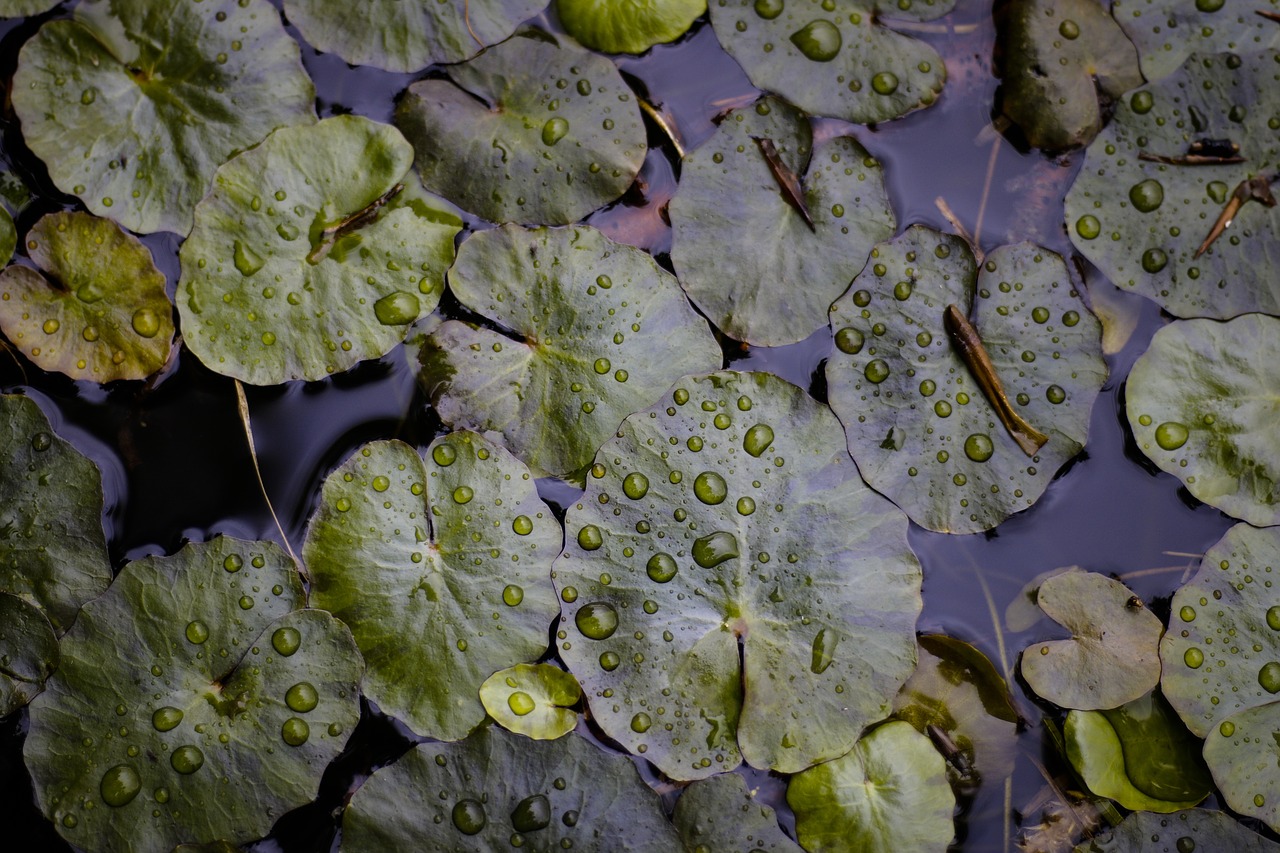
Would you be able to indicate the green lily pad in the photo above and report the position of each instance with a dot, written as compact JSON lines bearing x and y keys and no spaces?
{"x":731,"y":588}
{"x":404,"y":36}
{"x":133,"y":104}
{"x":315,"y":250}
{"x":53,"y":551}
{"x":744,"y":252}
{"x":22,"y":8}
{"x":440,"y":567}
{"x":719,"y":815}
{"x":835,"y":57}
{"x":1201,"y":403}
{"x":28,"y":652}
{"x":1113,"y":654}
{"x":8,"y":236}
{"x":514,"y":146}
{"x":889,"y":793}
{"x":1141,"y":222}
{"x":588,"y":323}
{"x":615,"y":27}
{"x":917,"y":423}
{"x":191,"y":671}
{"x":1139,"y":754}
{"x":102,"y":314}
{"x":494,"y":788}
{"x":1060,"y":56}
{"x":1181,"y":832}
{"x":1243,"y":753}
{"x":535,"y":700}
{"x":1168,"y":31}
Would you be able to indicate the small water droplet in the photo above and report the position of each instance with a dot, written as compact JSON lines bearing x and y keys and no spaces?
{"x":1171,"y":435}
{"x":521,"y":703}
{"x":295,"y":731}
{"x":41,"y":441}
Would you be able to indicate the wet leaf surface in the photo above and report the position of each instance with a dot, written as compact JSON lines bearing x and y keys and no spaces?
{"x":28,"y":652}
{"x":719,"y":815}
{"x":8,"y":236}
{"x":628,"y":27}
{"x":534,"y":700}
{"x":1168,"y":31}
{"x":19,"y":8}
{"x":1190,"y":830}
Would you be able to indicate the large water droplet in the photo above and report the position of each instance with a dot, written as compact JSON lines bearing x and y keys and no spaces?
{"x":512,"y":595}
{"x":397,"y":309}
{"x":590,"y":538}
{"x":469,"y":817}
{"x":302,"y":697}
{"x":1147,"y":195}
{"x":849,"y":340}
{"x":715,"y":548}
{"x":1154,"y":260}
{"x":710,"y":488}
{"x":758,"y":439}
{"x":884,"y":83}
{"x":1269,"y":677}
{"x":1171,"y":435}
{"x":286,"y":640}
{"x":876,"y":371}
{"x":247,"y":261}
{"x":554,"y":130}
{"x":444,"y":455}
{"x":597,"y":620}
{"x":531,"y":814}
{"x":818,"y":40}
{"x":120,"y":785}
{"x":978,"y":447}
{"x":823,"y":651}
{"x":186,"y":760}
{"x":166,"y":719}
{"x":661,"y":568}
{"x":1088,"y":227}
{"x":295,"y":731}
{"x":197,"y":632}
{"x":521,"y":703}
{"x":146,"y":322}
{"x":635,"y":485}
{"x":1193,"y":657}
{"x":1273,"y":618}
{"x":769,"y":9}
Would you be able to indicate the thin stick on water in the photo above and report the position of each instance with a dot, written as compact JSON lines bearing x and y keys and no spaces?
{"x":243,"y":404}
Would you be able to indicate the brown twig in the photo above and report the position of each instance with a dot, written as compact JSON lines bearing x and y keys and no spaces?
{"x":242,"y":404}
{"x":666,"y":127}
{"x":466,"y":17}
{"x":1257,"y":188}
{"x":786,"y":179}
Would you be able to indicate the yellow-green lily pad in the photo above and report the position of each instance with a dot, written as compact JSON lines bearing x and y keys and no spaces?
{"x":534,"y":700}
{"x":628,"y":26}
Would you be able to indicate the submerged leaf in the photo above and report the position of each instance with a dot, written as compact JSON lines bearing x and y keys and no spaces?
{"x":100,"y":314}
{"x":28,"y":652}
{"x":1168,"y":31}
{"x":630,"y":27}
{"x":535,"y":700}
{"x":133,"y":104}
{"x":719,"y":815}
{"x":1182,"y":832}
{"x":731,"y":588}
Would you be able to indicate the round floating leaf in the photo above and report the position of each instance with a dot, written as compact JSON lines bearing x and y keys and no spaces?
{"x":101,"y":315}
{"x":1201,"y":403}
{"x":1243,"y":753}
{"x":615,"y":27}
{"x":535,"y":700}
{"x":834,"y":57}
{"x":1142,"y":221}
{"x":404,"y":36}
{"x":589,"y":324}
{"x":917,"y":423}
{"x":8,"y":236}
{"x":1168,"y":31}
{"x":28,"y":652}
{"x":1140,"y":755}
{"x":1181,"y":832}
{"x":1060,"y":56}
{"x":495,"y":787}
{"x":440,"y":567}
{"x":514,"y":146}
{"x":315,"y":250}
{"x":21,"y":8}
{"x":731,"y":588}
{"x":134,"y":103}
{"x":889,"y":793}
{"x":1112,"y":656}
{"x":719,"y":815}
{"x":741,"y":246}
{"x":190,"y":671}
{"x":53,"y":552}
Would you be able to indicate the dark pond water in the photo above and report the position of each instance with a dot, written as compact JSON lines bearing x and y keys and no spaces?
{"x":176,"y":466}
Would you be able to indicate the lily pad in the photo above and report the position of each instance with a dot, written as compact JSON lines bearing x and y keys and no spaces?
{"x":53,"y":552}
{"x":1168,"y":31}
{"x":315,"y":250}
{"x":495,"y":787}
{"x":917,"y":423}
{"x":719,"y":815}
{"x":1112,"y":656}
{"x":133,"y":104}
{"x":8,"y":236}
{"x":889,"y":793}
{"x":1201,"y":403}
{"x":535,"y":700}
{"x":586,"y":326}
{"x":1140,"y":755}
{"x":731,"y":588}
{"x":22,"y":8}
{"x":404,"y":36}
{"x":440,"y":567}
{"x":28,"y":652}
{"x":743,"y":250}
{"x":102,"y":313}
{"x":514,"y":146}
{"x":1190,"y":830}
{"x":835,"y":57}
{"x":190,"y":671}
{"x":615,"y":27}
{"x":1061,"y":56}
{"x":1142,"y":221}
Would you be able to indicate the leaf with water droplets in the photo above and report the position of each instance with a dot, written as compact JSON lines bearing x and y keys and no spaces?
{"x":405,"y":35}
{"x":888,"y":793}
{"x":1141,"y":221}
{"x":1112,"y":656}
{"x":720,"y":814}
{"x":535,"y":700}
{"x":628,"y":27}
{"x":21,"y":8}
{"x":513,"y":145}
{"x":583,"y":327}
{"x":132,"y":104}
{"x":193,"y":676}
{"x":1202,"y":401}
{"x":494,"y":788}
{"x":53,"y":551}
{"x":8,"y":236}
{"x":28,"y":652}
{"x":916,"y":421}
{"x":1168,"y":31}
{"x":315,"y":250}
{"x":99,"y":312}
{"x":839,"y":58}
{"x":1190,"y":831}
{"x":743,"y":250}
{"x":440,"y":566}
{"x":731,"y":588}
